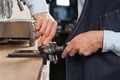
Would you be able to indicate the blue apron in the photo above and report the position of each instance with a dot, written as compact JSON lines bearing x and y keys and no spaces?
{"x":96,"y":15}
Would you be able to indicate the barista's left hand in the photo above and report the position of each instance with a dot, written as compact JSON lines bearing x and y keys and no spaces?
{"x":45,"y":28}
{"x":85,"y":44}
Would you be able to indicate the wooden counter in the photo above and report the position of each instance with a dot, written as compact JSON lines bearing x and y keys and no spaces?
{"x":19,"y":68}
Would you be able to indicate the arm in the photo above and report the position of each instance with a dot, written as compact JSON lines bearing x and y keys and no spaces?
{"x":89,"y":42}
{"x":37,"y":6}
{"x":46,"y":26}
{"x":111,"y":42}
{"x":85,"y":43}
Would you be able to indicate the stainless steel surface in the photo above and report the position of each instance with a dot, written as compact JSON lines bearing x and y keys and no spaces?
{"x":9,"y":7}
{"x":17,"y":30}
{"x":5,"y":9}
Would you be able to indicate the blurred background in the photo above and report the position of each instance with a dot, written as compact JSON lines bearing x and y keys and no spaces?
{"x":65,"y":12}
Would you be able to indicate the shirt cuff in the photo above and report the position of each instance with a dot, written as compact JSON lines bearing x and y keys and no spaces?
{"x":111,"y":42}
{"x":37,"y":6}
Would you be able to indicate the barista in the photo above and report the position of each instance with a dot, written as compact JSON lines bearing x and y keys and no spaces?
{"x":98,"y":66}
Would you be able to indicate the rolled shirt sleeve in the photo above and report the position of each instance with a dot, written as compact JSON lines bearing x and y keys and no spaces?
{"x":111,"y":42}
{"x":37,"y":6}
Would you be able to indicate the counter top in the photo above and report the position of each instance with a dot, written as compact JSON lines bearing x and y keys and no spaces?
{"x":18,"y":68}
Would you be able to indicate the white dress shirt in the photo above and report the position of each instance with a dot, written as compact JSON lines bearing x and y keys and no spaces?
{"x":111,"y":40}
{"x":37,"y":6}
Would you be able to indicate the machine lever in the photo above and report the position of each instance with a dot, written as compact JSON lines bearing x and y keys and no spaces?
{"x":20,"y":5}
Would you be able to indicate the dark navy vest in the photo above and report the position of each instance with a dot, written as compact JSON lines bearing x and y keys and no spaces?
{"x":96,"y":15}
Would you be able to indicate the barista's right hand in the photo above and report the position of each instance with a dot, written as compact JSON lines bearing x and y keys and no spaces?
{"x":45,"y":28}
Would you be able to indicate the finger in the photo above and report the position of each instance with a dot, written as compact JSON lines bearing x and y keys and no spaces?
{"x":41,"y":31}
{"x":83,"y":52}
{"x":47,"y":32}
{"x":38,"y":25}
{"x":87,"y":53}
{"x":39,"y":44}
{"x":51,"y":33}
{"x":67,"y":43}
{"x":37,"y":36}
{"x":72,"y":52}
{"x":40,"y":41}
{"x":66,"y":51}
{"x":43,"y":27}
{"x":80,"y":53}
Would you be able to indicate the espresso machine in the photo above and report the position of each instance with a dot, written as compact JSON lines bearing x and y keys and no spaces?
{"x":14,"y":30}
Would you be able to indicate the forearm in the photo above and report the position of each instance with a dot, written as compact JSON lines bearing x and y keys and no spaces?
{"x":37,"y":6}
{"x":111,"y":42}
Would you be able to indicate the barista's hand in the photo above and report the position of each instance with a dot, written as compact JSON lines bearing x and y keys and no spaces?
{"x":85,"y":44}
{"x":45,"y":28}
